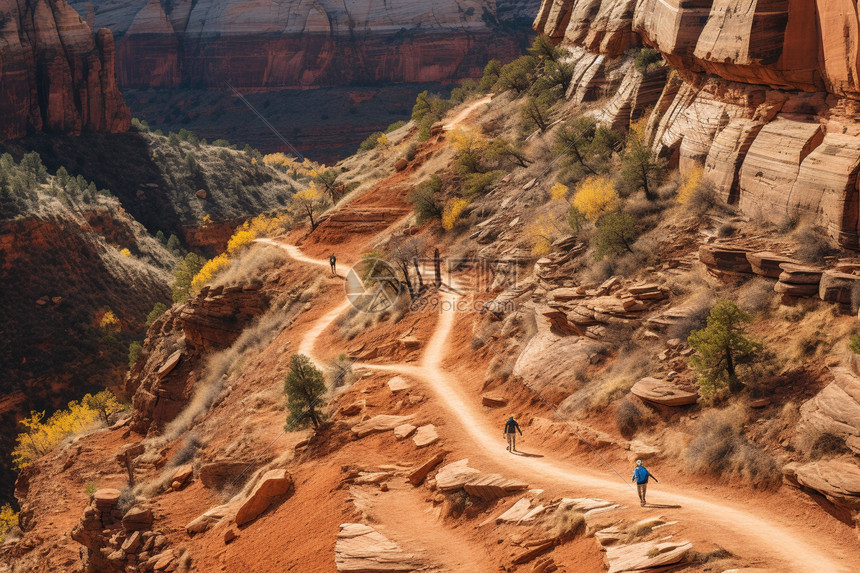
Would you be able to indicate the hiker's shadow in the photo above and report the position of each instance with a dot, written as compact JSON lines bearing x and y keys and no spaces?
{"x":527,"y":454}
{"x":661,"y":506}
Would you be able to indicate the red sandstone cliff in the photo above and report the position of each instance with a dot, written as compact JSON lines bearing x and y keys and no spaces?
{"x":274,"y":44}
{"x":766,"y":101}
{"x":55,"y":75}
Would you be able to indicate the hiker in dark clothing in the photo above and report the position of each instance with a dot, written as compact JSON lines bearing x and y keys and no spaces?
{"x":511,"y":429}
{"x":332,"y":260}
{"x":640,"y":476}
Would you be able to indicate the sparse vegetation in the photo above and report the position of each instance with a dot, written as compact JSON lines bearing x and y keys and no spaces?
{"x":134,"y":352}
{"x":614,"y":234}
{"x":639,"y":169}
{"x":720,"y":448}
{"x":647,"y":59}
{"x":628,"y":418}
{"x":304,"y":386}
{"x":185,"y":272}
{"x":157,"y":310}
{"x":425,"y":199}
{"x":722,"y":349}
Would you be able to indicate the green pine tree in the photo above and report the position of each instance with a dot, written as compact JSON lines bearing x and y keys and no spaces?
{"x":304,"y":386}
{"x":721,"y":348}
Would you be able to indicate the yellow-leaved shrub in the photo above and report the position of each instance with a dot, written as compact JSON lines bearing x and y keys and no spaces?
{"x":245,"y":234}
{"x":559,"y":192}
{"x":453,"y":210}
{"x":595,"y":196}
{"x":8,"y":520}
{"x":41,"y":435}
{"x":690,"y":185}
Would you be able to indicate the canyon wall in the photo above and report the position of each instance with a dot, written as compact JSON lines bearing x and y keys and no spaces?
{"x":55,"y":74}
{"x":306,"y":44}
{"x":765,"y":99}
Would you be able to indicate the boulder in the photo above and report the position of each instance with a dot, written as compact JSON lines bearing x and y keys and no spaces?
{"x":646,"y":556}
{"x":272,"y":485}
{"x":361,"y":549}
{"x":182,"y":474}
{"x":381,"y":423}
{"x":767,"y":264}
{"x":425,"y":435}
{"x":138,"y":519}
{"x":664,"y":392}
{"x":201,"y":194}
{"x":459,"y":475}
{"x":418,"y":474}
{"x":838,"y":287}
{"x":132,"y":543}
{"x":401,"y":164}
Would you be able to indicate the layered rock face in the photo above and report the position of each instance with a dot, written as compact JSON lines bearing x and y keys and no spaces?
{"x":765,"y":102}
{"x":299,"y":43}
{"x":55,"y":75}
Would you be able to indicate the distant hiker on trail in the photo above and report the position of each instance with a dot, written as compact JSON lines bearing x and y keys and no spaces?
{"x":332,"y":260}
{"x":640,"y":476}
{"x":511,"y":429}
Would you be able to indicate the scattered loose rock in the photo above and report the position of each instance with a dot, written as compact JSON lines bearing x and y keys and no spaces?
{"x":459,"y":475}
{"x":381,"y":423}
{"x":425,"y":435}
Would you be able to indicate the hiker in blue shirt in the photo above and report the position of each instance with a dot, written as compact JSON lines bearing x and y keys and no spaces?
{"x":640,"y":476}
{"x":511,"y":429}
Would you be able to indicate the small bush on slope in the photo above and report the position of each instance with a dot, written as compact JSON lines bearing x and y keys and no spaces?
{"x":721,"y":449}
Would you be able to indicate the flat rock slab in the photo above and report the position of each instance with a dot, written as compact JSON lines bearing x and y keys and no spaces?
{"x":361,"y":549}
{"x":516,"y":512}
{"x":381,"y":423}
{"x":171,"y":363}
{"x":799,"y":290}
{"x":663,"y":392}
{"x":800,"y":274}
{"x":425,"y":435}
{"x":403,"y":431}
{"x":646,"y":556}
{"x":398,"y":384}
{"x":725,"y":258}
{"x":106,"y":497}
{"x":487,"y":486}
{"x":766,"y":264}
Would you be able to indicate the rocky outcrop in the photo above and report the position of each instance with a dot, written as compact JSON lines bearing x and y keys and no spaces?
{"x":162,"y":381}
{"x":834,"y":484}
{"x":766,"y":104}
{"x":56,"y":75}
{"x":646,"y":556}
{"x":275,"y":44}
{"x":834,"y":411}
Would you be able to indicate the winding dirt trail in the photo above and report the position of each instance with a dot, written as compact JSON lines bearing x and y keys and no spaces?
{"x":786,"y":547}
